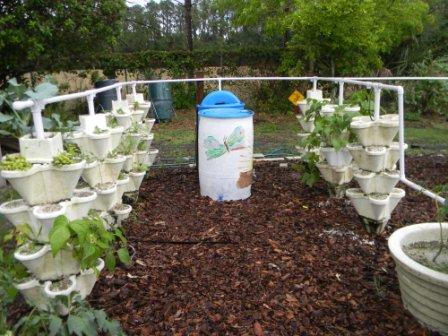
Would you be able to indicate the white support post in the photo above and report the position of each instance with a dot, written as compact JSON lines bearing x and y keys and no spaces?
{"x":36,"y":110}
{"x":90,"y":104}
{"x":377,"y":102}
{"x":118,"y":89}
{"x":401,"y":131}
{"x":341,"y":93}
{"x":314,"y":83}
{"x":220,"y":84}
{"x":134,"y":90}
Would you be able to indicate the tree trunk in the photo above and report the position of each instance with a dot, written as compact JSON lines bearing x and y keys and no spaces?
{"x":188,"y":24}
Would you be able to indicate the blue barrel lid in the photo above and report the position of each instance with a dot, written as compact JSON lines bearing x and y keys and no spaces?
{"x":221,"y":99}
{"x":225,"y":113}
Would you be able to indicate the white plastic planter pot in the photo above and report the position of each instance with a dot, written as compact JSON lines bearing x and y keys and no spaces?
{"x":41,"y":150}
{"x":135,"y":138}
{"x":102,"y":172}
{"x":116,"y":134}
{"x":148,"y":140}
{"x":142,"y":104}
{"x":335,"y":175}
{"x":377,"y":207}
{"x":314,"y":94}
{"x":328,"y":110}
{"x":33,"y":293}
{"x":124,"y":120}
{"x":128,"y":163}
{"x":335,"y":158}
{"x":379,"y":132}
{"x":424,"y":291}
{"x":42,"y":184}
{"x":106,"y":196}
{"x":303,"y":106}
{"x":148,"y":124}
{"x":87,"y":279}
{"x":352,"y":109}
{"x":88,"y":122}
{"x":136,"y":179}
{"x":53,"y":293}
{"x":141,"y":157}
{"x":382,"y":183}
{"x":307,"y":126}
{"x":40,"y":218}
{"x":121,"y":212}
{"x":375,"y":158}
{"x":138,"y":115}
{"x":44,"y":266}
{"x":123,"y":186}
{"x":152,"y":156}
{"x":100,"y":144}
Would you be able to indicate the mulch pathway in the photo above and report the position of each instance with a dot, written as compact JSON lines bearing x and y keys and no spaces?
{"x":287,"y":261}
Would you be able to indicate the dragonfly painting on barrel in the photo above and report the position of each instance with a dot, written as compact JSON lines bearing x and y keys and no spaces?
{"x":235,"y":141}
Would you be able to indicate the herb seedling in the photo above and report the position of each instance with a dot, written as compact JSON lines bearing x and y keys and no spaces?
{"x":14,"y":162}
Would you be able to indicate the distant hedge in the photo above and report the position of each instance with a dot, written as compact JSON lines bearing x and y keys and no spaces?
{"x":185,"y":60}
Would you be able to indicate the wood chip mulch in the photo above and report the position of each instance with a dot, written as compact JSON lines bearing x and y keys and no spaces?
{"x":287,"y":261}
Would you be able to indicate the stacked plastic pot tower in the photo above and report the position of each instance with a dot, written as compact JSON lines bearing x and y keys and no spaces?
{"x":375,"y":156}
{"x":334,"y":166}
{"x":48,"y":191}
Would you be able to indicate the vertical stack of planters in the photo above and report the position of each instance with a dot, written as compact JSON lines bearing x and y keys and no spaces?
{"x":314,"y":101}
{"x":376,"y":156}
{"x":67,"y":232}
{"x":326,"y":143}
{"x":116,"y":146}
{"x":60,"y":246}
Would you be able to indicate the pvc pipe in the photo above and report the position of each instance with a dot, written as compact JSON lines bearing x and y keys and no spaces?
{"x":424,"y":191}
{"x":219,"y":84}
{"x":90,"y":104}
{"x":377,"y":102}
{"x":401,"y":134}
{"x":36,"y":111}
{"x":341,"y":93}
{"x":118,"y":89}
{"x":134,"y":89}
{"x":314,"y":83}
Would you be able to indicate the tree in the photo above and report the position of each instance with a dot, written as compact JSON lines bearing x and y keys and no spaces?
{"x":36,"y":32}
{"x":336,"y":37}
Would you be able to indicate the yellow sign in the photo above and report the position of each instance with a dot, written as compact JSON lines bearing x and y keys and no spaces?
{"x":296,"y":97}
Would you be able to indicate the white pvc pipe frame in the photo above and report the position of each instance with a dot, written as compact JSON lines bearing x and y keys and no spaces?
{"x":38,"y":105}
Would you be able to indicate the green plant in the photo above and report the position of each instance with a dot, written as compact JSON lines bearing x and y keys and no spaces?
{"x":120,"y":111}
{"x":314,"y":109}
{"x":55,"y":124}
{"x":98,"y":130}
{"x":364,"y":99}
{"x":113,"y":154}
{"x":141,"y":146}
{"x":135,"y":128}
{"x":127,"y":145}
{"x":14,"y":162}
{"x":72,"y":149}
{"x":65,"y":158}
{"x":441,"y":215}
{"x":310,"y":173}
{"x":122,"y":176}
{"x":112,"y":122}
{"x":81,"y":320}
{"x":89,"y":240}
{"x":17,"y":123}
{"x":9,"y":271}
{"x":136,"y":105}
{"x":140,"y":167}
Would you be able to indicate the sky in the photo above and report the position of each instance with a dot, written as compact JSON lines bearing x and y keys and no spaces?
{"x":136,"y":2}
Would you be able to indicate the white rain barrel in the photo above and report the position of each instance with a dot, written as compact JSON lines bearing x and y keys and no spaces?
{"x":225,"y":145}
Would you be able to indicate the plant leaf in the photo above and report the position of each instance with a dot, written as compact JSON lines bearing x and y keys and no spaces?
{"x":110,"y":260}
{"x":123,"y":255}
{"x":55,"y":325}
{"x":59,"y":234}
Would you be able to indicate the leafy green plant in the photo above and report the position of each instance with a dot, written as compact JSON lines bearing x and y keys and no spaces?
{"x":56,"y":124}
{"x":72,"y":149}
{"x":65,"y":158}
{"x":140,"y":167}
{"x":112,"y":122}
{"x":122,"y":176}
{"x":136,"y":105}
{"x":314,"y":109}
{"x":127,"y":145}
{"x":120,"y":111}
{"x":81,"y":320}
{"x":17,"y":123}
{"x":141,"y":146}
{"x":135,"y":128}
{"x":113,"y":154}
{"x":364,"y":99}
{"x":14,"y":162}
{"x":310,"y":173}
{"x":89,"y":240}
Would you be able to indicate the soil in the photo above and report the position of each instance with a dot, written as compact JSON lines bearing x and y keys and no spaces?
{"x":61,"y":285}
{"x":15,"y":204}
{"x":424,"y":253}
{"x":287,"y":261}
{"x":30,"y":248}
{"x":379,"y":196}
{"x":121,"y":207}
{"x":104,"y":186}
{"x":50,"y":208}
{"x":83,"y":193}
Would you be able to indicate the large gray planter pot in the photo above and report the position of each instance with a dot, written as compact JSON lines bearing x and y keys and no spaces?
{"x":424,"y":291}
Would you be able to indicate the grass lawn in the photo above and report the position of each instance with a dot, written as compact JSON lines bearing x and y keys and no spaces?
{"x":277,"y":135}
